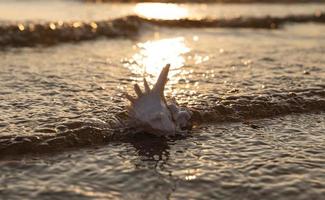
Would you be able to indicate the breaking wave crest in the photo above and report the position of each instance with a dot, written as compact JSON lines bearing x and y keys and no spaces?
{"x":209,"y":108}
{"x":49,"y":33}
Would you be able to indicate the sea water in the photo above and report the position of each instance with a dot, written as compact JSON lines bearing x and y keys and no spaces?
{"x":258,"y":97}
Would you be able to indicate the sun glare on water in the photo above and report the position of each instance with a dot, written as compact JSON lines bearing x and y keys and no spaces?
{"x":166,"y":11}
{"x":152,"y":56}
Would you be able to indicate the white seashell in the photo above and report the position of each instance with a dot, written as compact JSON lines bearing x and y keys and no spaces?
{"x":151,"y":113}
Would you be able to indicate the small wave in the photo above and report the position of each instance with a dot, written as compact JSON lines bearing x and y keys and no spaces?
{"x":268,"y":104}
{"x":74,"y":134}
{"x":207,"y":109}
{"x":49,"y":33}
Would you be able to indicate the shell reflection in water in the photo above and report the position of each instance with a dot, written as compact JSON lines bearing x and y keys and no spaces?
{"x":154,"y":55}
{"x":165,"y":11}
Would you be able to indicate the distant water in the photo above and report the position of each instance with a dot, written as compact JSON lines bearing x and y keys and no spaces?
{"x":70,"y":10}
{"x":257,"y":93}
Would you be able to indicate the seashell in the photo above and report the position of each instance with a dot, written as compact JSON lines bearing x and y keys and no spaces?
{"x":151,"y":113}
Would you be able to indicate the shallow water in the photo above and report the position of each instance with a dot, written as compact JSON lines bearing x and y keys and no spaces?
{"x":283,"y":158}
{"x":245,"y":86}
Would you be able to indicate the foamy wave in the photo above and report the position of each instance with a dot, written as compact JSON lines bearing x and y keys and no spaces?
{"x":49,"y":33}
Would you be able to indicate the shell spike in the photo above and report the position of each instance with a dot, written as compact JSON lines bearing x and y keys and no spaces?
{"x":162,"y":80}
{"x":137,"y":90}
{"x":130,"y":98}
{"x":146,"y":86}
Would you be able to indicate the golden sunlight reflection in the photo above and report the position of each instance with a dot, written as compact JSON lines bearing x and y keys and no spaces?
{"x":21,"y":27}
{"x":188,"y":174}
{"x":154,"y":55}
{"x":165,"y":11}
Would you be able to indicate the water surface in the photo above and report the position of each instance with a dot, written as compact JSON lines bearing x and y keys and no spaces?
{"x":59,"y":106}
